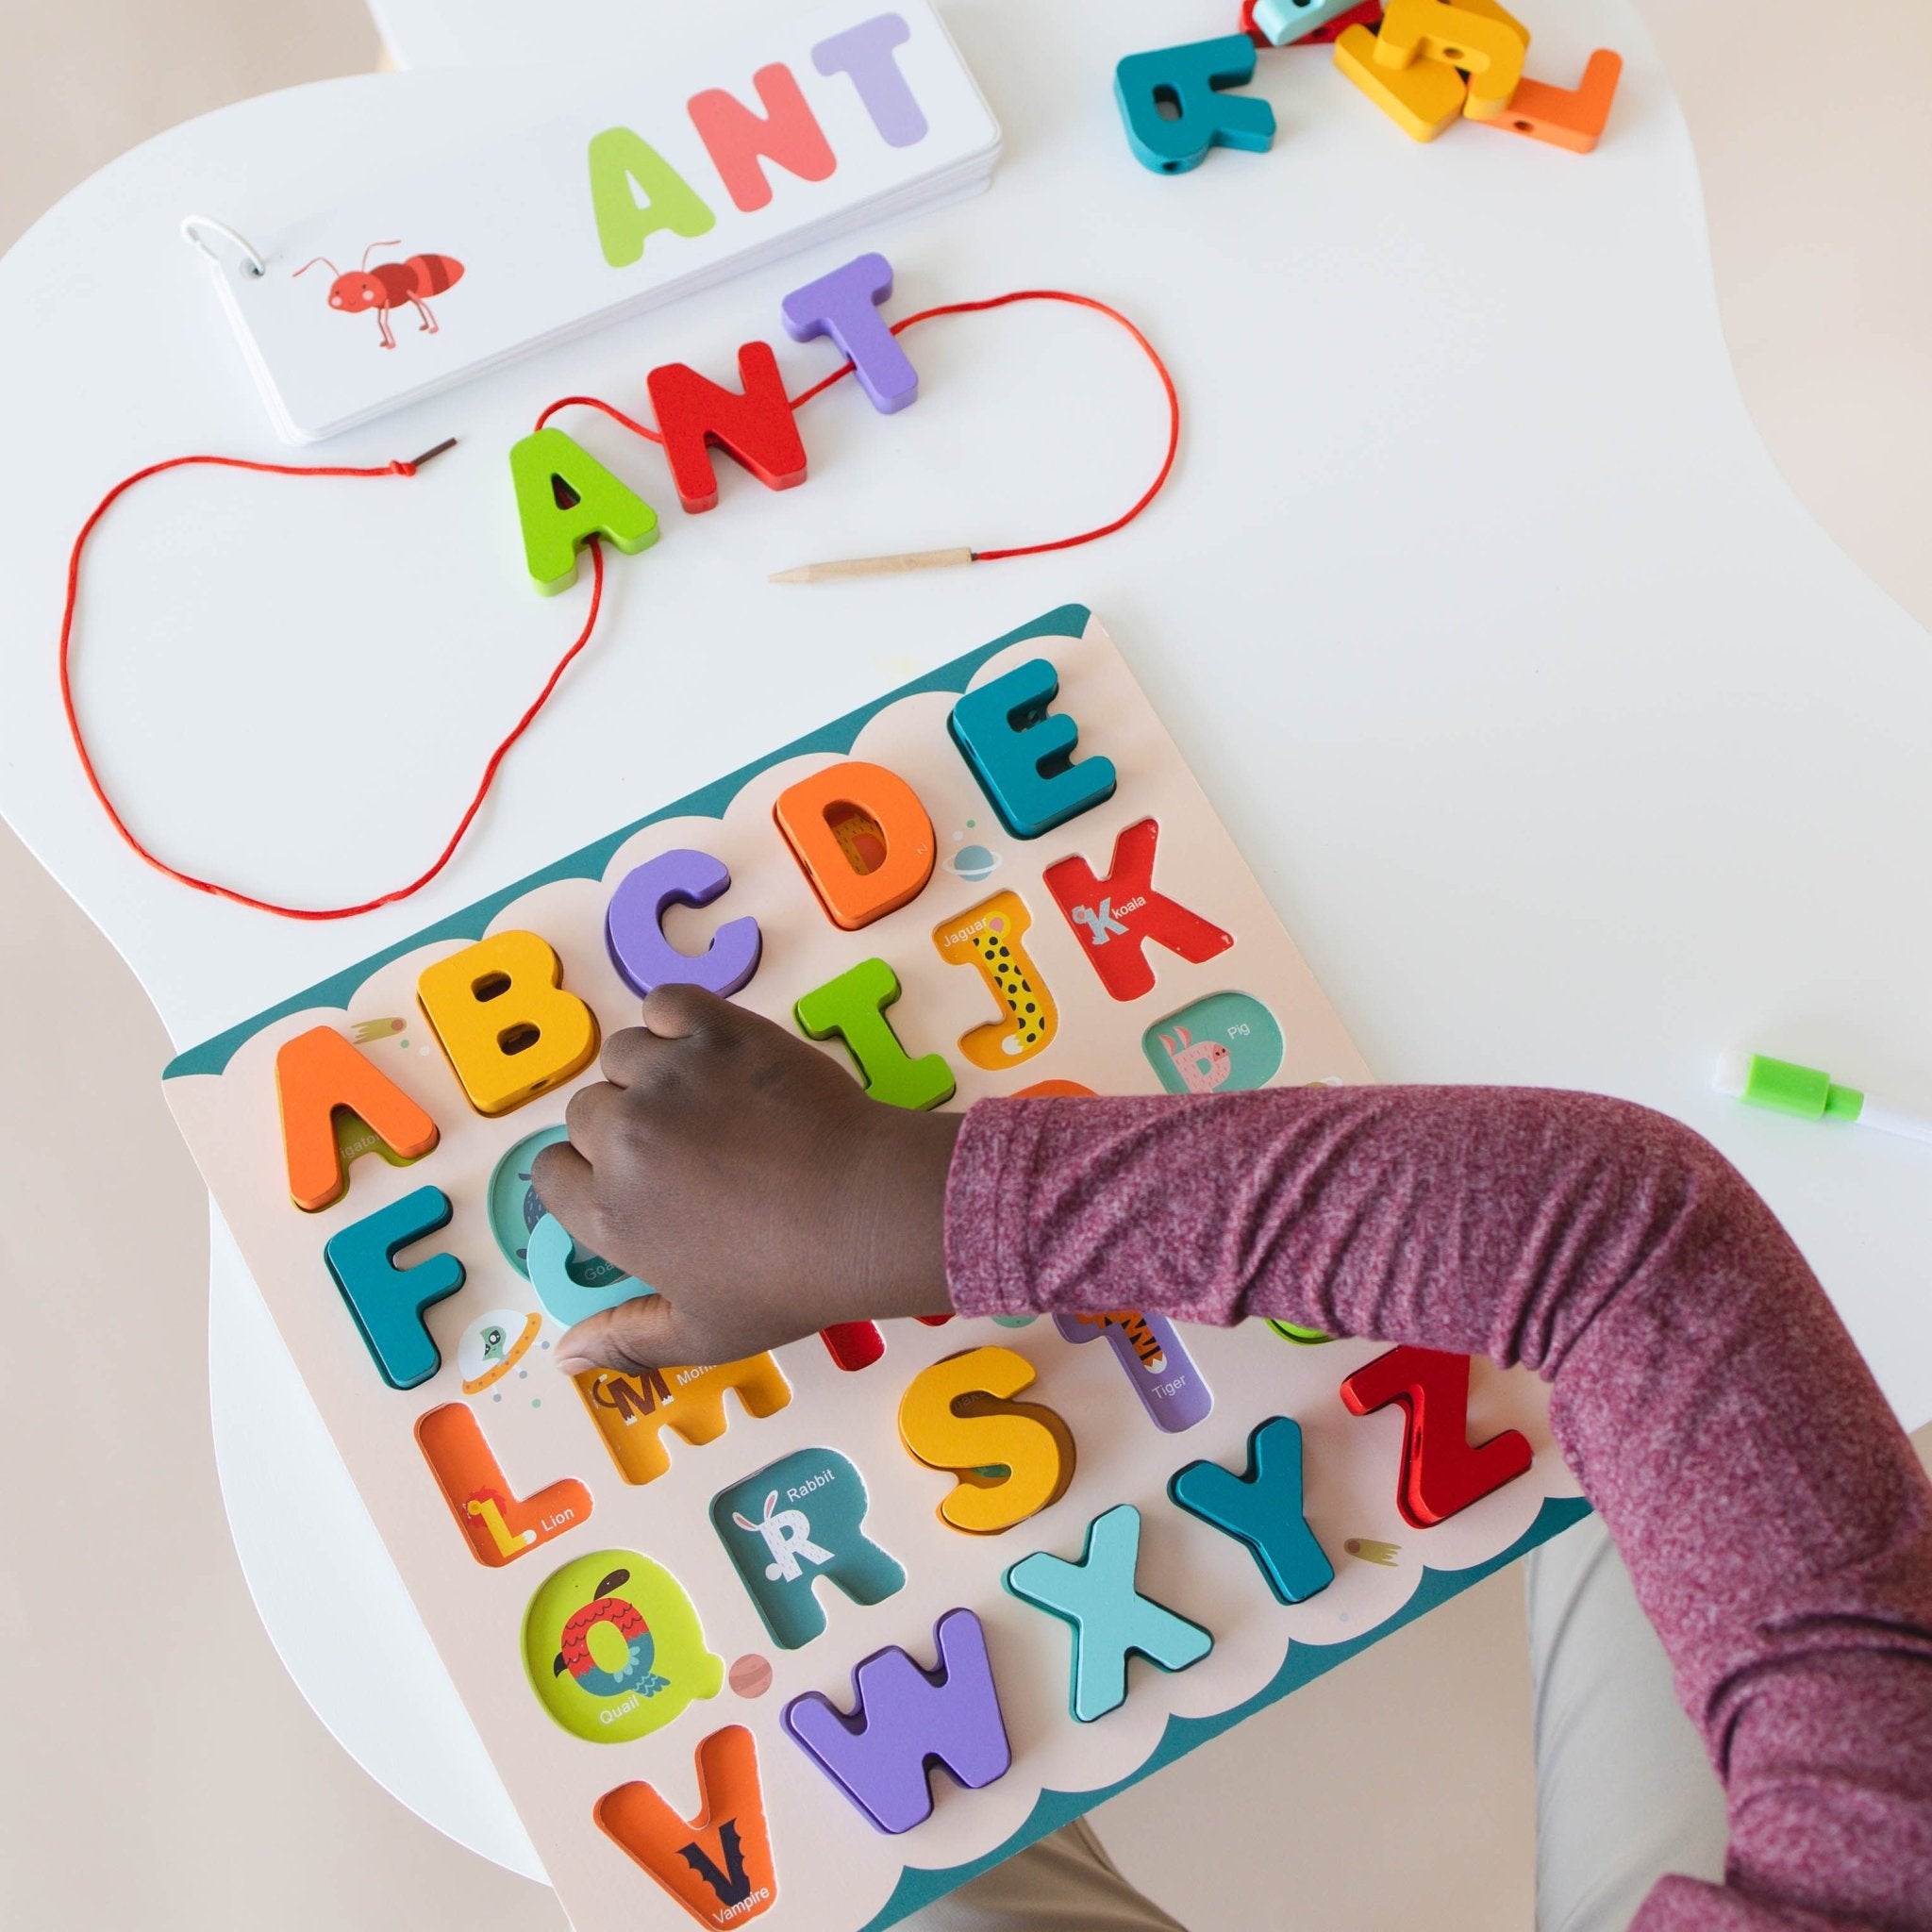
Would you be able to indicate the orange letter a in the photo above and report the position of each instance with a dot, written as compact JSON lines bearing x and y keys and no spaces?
{"x":318,"y":1073}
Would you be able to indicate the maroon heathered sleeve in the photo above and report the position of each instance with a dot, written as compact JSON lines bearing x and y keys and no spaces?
{"x":1713,"y":1408}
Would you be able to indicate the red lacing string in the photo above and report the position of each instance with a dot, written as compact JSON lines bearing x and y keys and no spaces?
{"x":228,"y":892}
{"x":589,"y":624}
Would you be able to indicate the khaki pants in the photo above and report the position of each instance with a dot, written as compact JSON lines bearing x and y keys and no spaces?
{"x":1624,"y":1790}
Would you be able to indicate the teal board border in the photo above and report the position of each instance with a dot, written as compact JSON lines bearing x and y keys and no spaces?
{"x":1302,"y":1664}
{"x":712,"y":801}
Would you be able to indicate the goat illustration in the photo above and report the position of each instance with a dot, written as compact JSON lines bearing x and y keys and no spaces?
{"x":788,"y":1537}
{"x":1203,"y":1064}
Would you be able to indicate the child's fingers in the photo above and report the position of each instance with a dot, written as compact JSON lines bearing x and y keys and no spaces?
{"x":566,"y":1186}
{"x":687,"y":1012}
{"x":628,"y":1056}
{"x":677,"y":1019}
{"x":633,"y":1337}
{"x":589,"y":1116}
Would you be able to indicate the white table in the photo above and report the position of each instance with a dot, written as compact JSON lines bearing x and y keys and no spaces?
{"x":1535,"y":700}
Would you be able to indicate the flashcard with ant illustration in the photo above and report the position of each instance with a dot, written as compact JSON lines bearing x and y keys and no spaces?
{"x":808,"y":128}
{"x":811,"y":1637}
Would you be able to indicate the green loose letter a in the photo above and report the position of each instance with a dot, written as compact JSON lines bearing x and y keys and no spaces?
{"x":621,"y":164}
{"x":565,"y":496}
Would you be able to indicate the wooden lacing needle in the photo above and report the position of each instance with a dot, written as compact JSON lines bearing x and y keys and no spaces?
{"x":874,"y":566}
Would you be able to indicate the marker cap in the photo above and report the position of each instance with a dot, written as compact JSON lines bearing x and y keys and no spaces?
{"x":1787,"y":1088}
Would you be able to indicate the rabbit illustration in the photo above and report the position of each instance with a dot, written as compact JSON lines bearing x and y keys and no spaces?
{"x":788,"y":1537}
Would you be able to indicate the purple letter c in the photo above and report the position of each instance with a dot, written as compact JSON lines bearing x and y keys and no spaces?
{"x":634,"y":927}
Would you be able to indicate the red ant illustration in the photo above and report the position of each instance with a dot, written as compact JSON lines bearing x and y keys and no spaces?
{"x":388,"y":285}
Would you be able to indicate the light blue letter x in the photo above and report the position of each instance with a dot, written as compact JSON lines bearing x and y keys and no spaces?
{"x":1110,"y":1618}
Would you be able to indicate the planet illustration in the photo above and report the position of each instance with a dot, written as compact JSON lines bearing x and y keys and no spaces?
{"x":494,"y":1344}
{"x":750,"y":1676}
{"x":973,"y":863}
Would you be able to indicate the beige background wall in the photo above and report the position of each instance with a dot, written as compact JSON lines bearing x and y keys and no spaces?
{"x":156,"y":1769}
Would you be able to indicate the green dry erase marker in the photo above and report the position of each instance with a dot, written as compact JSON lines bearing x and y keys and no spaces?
{"x":1784,"y":1087}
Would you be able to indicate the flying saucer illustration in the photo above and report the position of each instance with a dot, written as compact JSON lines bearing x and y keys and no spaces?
{"x":494,"y":1344}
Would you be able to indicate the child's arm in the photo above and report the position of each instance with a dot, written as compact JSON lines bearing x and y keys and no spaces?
{"x":1710,"y":1401}
{"x":1772,"y":1514}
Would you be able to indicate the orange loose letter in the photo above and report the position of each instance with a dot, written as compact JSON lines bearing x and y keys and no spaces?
{"x":499,"y":1012}
{"x":319,"y":1073}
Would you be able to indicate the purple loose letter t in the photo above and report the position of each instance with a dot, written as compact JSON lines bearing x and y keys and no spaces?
{"x":844,"y":305}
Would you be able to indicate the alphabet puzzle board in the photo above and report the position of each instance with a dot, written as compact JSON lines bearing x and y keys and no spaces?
{"x":663,"y":1597}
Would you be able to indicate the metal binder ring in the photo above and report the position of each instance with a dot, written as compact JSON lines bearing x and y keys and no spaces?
{"x":251,"y":255}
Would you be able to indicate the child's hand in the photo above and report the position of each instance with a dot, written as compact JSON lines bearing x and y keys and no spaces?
{"x":746,"y":1176}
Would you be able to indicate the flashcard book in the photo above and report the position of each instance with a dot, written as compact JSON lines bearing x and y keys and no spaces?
{"x":647,"y":184}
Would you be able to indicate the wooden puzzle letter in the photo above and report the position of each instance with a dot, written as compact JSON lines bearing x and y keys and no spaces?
{"x":1283,"y":21}
{"x":844,"y":305}
{"x":1117,"y":916}
{"x":571,"y":1291}
{"x":1262,"y":1509}
{"x":800,"y":1520}
{"x":631,"y":1411}
{"x":509,"y":1029}
{"x":621,"y":165}
{"x":499,"y":1526}
{"x":388,"y":1302}
{"x":1023,"y":754}
{"x":1483,"y":40}
{"x":1575,"y":120}
{"x":861,"y":837}
{"x":902,"y":1718}
{"x":565,"y":496}
{"x":737,"y":137}
{"x":718,"y":1864}
{"x":853,"y":1345}
{"x":634,"y":927}
{"x":1422,"y":98}
{"x":319,"y":1073}
{"x":1110,"y":1619}
{"x":1441,"y":1471}
{"x":853,"y":1007}
{"x":755,"y":426}
{"x":1188,"y":82}
{"x":989,"y":939}
{"x":865,"y":53}
{"x":989,"y":1431}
